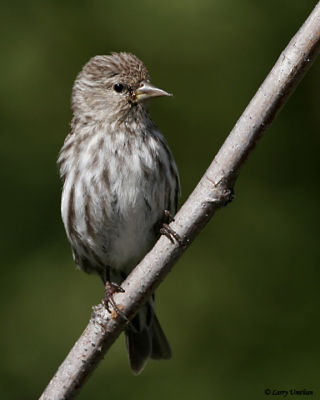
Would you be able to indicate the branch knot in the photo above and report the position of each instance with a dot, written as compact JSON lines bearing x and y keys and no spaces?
{"x":220,"y":193}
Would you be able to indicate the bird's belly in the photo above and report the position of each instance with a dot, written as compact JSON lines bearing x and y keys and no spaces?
{"x":126,"y":234}
{"x":111,"y":203}
{"x":114,"y":227}
{"x":132,"y":241}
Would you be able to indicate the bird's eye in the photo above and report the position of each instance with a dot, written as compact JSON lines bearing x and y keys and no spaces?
{"x":118,"y":87}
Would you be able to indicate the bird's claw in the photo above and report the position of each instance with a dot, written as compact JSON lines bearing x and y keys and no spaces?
{"x":167,"y":216}
{"x":110,"y":289}
{"x":165,"y":229}
{"x":170,"y":233}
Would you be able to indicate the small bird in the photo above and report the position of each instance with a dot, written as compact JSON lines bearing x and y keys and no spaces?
{"x":120,"y":181}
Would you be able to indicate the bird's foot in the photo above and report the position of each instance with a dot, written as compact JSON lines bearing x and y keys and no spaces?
{"x":165,"y":229}
{"x":110,"y":289}
{"x":167,"y":217}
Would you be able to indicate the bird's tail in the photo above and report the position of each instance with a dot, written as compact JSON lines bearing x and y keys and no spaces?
{"x":145,"y":339}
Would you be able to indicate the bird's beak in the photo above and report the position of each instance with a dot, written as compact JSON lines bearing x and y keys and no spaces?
{"x":147,"y":91}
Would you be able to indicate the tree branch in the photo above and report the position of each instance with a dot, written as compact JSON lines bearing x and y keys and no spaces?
{"x":213,"y":191}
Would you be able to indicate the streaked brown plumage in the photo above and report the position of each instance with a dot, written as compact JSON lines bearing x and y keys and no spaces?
{"x":118,"y":178}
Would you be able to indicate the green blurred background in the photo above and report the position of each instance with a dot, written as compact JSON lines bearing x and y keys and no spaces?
{"x":241,"y":308}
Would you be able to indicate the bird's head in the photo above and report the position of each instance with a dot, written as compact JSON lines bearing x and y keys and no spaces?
{"x":113,"y":88}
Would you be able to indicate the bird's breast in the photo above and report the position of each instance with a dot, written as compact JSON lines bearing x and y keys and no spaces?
{"x":115,"y":191}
